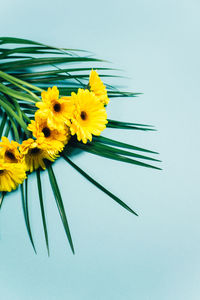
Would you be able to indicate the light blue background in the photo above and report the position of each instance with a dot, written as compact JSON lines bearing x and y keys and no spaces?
{"x":118,"y":256}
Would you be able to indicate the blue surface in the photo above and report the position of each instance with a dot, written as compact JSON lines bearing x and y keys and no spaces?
{"x":118,"y":256}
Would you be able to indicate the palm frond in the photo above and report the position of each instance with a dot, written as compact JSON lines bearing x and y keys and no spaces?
{"x":42,"y":209}
{"x":3,"y":123}
{"x":98,"y":185}
{"x":108,"y":141}
{"x":60,"y":205}
{"x":2,"y":198}
{"x":112,"y":154}
{"x":26,"y":69}
{"x":25,"y":207}
{"x":128,"y":125}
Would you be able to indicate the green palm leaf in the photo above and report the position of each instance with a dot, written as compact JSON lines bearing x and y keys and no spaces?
{"x":42,"y":209}
{"x":105,"y":140}
{"x":60,"y":205}
{"x":26,"y":211}
{"x":111,"y":155}
{"x":3,"y":123}
{"x":2,"y":198}
{"x":26,"y":69}
{"x":98,"y":185}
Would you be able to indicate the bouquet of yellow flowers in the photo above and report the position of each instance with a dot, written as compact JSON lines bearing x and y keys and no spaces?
{"x":43,"y":123}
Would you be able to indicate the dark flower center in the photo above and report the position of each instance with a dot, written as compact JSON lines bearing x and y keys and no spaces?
{"x":35,"y":150}
{"x":83,"y":115}
{"x":57,"y":107}
{"x":46,"y":131}
{"x":10,"y":155}
{"x":1,"y":172}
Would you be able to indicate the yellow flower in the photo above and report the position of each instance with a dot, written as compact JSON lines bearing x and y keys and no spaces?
{"x":98,"y":88}
{"x":89,"y":116}
{"x":11,"y":175}
{"x":57,"y":110}
{"x":9,"y":152}
{"x":35,"y":151}
{"x":40,"y":129}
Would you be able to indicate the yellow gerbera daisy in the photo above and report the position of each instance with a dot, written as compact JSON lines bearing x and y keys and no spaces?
{"x":40,"y":129}
{"x":9,"y":151}
{"x":98,"y":88}
{"x":35,"y":151}
{"x":89,"y":116}
{"x":11,"y":175}
{"x":58,"y":110}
